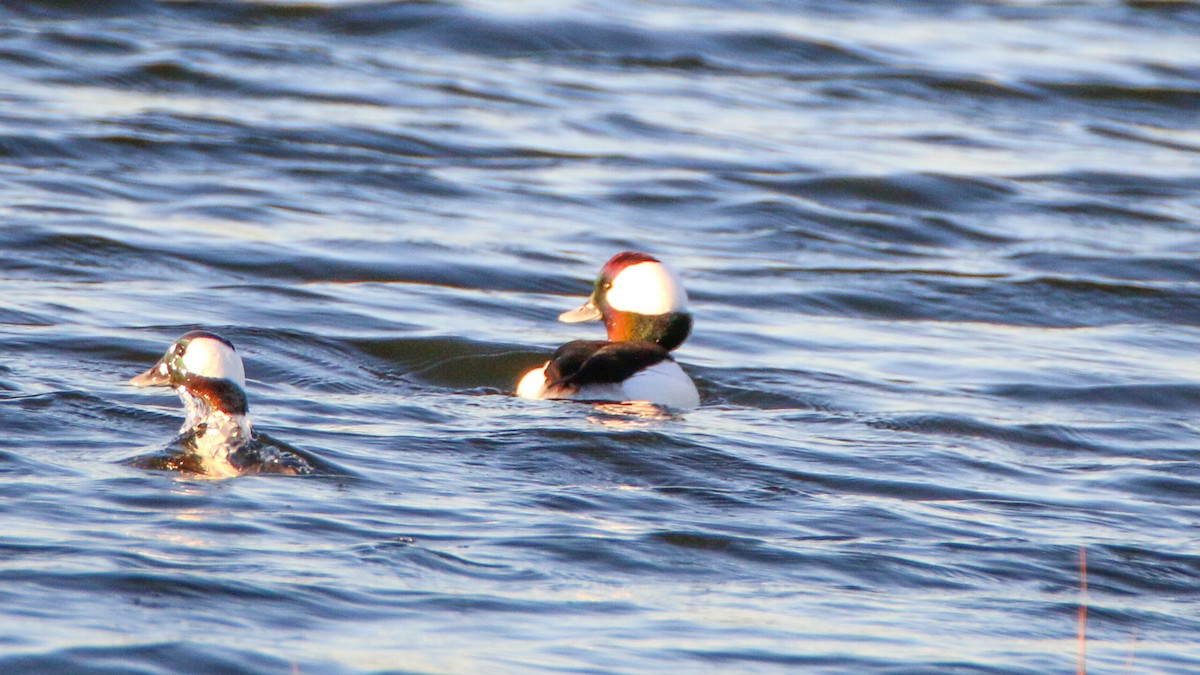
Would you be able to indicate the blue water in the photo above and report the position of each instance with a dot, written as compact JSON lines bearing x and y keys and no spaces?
{"x":943,"y":260}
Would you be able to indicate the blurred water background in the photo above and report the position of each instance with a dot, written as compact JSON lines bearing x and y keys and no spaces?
{"x":943,"y":263}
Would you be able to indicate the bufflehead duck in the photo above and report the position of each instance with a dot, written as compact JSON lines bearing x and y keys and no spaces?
{"x":644,"y":308}
{"x":207,"y":373}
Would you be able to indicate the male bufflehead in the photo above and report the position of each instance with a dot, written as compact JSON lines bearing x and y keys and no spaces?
{"x":644,"y":308}
{"x":216,"y":438}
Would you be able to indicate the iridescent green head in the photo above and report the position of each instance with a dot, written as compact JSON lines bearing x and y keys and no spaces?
{"x":207,"y":366}
{"x":639,"y":298}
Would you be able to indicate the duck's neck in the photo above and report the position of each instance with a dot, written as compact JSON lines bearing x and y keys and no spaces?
{"x":215,"y":431}
{"x":667,"y":330}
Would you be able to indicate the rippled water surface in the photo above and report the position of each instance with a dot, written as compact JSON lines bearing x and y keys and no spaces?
{"x":943,"y":259}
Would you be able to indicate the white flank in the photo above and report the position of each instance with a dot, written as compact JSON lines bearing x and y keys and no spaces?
{"x":212,"y":358}
{"x":533,"y":384}
{"x":647,"y":288}
{"x":665,"y":384}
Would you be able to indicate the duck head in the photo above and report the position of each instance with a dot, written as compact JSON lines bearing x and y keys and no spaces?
{"x":638,"y":298}
{"x":204,"y":369}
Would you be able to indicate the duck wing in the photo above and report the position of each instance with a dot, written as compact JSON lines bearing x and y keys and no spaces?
{"x":585,"y":362}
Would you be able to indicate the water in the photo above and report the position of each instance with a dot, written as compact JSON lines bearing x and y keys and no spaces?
{"x":943,"y":263}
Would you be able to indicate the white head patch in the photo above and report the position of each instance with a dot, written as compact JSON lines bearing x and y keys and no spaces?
{"x":647,"y":288}
{"x":212,"y":358}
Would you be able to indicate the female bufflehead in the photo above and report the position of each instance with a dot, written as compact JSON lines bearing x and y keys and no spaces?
{"x":644,"y":308}
{"x":207,"y":373}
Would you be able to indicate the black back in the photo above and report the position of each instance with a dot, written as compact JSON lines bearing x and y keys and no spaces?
{"x":585,"y":362}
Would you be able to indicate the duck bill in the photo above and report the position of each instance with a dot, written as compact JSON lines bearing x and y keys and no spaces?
{"x":155,"y":377}
{"x":586,"y":312}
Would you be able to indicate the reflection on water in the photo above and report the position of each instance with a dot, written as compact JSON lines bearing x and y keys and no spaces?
{"x":630,"y":415}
